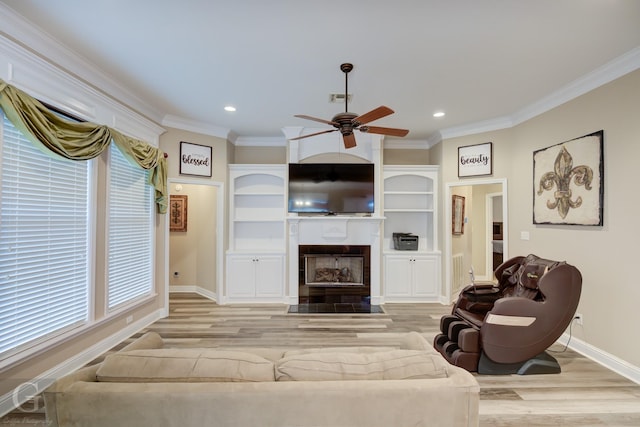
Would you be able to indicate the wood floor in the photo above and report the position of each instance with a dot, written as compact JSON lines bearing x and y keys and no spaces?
{"x":584,"y":394}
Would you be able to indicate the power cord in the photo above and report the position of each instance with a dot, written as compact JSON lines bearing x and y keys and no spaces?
{"x":566,"y":346}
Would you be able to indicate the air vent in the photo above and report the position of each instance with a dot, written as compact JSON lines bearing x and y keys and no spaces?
{"x":338,"y":98}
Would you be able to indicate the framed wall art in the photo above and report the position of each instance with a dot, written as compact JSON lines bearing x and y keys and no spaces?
{"x":195,"y":159}
{"x":475,"y":160}
{"x":568,"y":182}
{"x":457,"y":215}
{"x":178,"y":213}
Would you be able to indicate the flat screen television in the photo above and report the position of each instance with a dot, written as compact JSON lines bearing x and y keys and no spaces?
{"x":331,"y":188}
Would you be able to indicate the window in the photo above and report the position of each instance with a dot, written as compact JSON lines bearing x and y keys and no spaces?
{"x":131,"y":234}
{"x":44,"y":242}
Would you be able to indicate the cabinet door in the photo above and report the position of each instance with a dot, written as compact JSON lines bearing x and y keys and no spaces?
{"x":241,"y":275}
{"x":397,"y":276}
{"x":269,"y":276}
{"x":424,"y":276}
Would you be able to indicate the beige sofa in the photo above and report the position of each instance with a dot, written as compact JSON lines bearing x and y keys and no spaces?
{"x":148,"y":385}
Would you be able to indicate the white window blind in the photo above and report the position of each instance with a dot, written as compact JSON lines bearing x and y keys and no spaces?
{"x":44,"y":242}
{"x":131,"y":238}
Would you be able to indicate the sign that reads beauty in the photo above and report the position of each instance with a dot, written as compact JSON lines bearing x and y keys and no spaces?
{"x":195,"y":159}
{"x":475,"y":160}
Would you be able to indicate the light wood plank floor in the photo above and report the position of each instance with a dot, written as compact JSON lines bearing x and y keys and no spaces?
{"x":584,"y":394}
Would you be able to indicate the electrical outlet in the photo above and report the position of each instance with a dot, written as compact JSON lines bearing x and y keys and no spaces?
{"x":129,"y":319}
{"x":176,"y":274}
{"x":578,"y":318}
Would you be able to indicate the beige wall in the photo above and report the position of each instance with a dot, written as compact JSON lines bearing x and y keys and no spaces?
{"x":406,"y":157}
{"x":260,"y":155}
{"x":606,"y":255}
{"x":170,"y":144}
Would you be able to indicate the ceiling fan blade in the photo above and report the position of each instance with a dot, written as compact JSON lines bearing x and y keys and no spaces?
{"x":315,"y":119}
{"x":312,"y":134}
{"x":349,"y":140}
{"x":384,"y":131}
{"x":375,"y":114}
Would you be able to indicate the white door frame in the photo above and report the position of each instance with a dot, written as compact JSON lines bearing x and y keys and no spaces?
{"x":220,"y":221}
{"x":489,"y":216}
{"x":447,"y":226}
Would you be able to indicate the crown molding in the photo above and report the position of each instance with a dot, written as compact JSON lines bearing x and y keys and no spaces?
{"x":251,"y":141}
{"x":198,"y":127}
{"x":32,"y":38}
{"x":406,"y":144}
{"x":607,"y":73}
{"x":477,"y":127}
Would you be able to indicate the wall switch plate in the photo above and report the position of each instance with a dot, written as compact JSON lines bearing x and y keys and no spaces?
{"x":524,"y":235}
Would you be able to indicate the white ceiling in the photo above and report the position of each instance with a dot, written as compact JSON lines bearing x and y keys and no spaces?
{"x":181,"y":62}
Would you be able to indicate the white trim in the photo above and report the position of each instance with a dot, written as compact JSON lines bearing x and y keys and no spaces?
{"x":194,"y":289}
{"x":250,"y":141}
{"x":197,"y":127}
{"x":601,"y":357}
{"x":53,"y":85}
{"x":45,"y":379}
{"x":408,"y":144}
{"x":54,"y":52}
{"x":477,"y":127}
{"x":608,"y":72}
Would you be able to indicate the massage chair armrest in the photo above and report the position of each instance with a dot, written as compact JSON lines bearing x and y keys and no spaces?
{"x":516,"y":329}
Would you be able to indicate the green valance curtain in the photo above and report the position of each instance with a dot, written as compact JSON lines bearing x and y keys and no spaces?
{"x":81,"y":140}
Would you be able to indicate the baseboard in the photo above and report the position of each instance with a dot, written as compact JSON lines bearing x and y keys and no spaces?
{"x":196,"y":290}
{"x":603,"y":358}
{"x":30,"y":388}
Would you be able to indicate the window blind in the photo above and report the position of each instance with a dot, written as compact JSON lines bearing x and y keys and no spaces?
{"x":44,"y":242}
{"x":131,"y":238}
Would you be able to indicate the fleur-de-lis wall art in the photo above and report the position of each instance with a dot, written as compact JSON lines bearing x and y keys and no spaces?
{"x":568,"y":194}
{"x":561,"y":178}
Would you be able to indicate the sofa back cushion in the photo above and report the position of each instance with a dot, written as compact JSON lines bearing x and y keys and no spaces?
{"x":185,"y":365}
{"x":382,"y":365}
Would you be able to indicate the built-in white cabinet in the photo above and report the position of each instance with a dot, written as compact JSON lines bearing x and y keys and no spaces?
{"x":411,"y":277}
{"x":257,"y":233}
{"x":257,"y":208}
{"x":409,"y":204}
{"x":410,"y":195}
{"x":261,"y":235}
{"x":258,"y":277}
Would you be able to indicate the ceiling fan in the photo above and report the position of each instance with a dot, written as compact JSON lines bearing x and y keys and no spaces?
{"x":347,"y":122}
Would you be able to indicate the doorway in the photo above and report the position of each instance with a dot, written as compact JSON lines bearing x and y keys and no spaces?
{"x":194,"y":257}
{"x":473,"y":248}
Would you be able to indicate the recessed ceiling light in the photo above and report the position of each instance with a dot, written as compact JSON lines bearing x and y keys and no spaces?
{"x":229,"y":108}
{"x":438,"y":114}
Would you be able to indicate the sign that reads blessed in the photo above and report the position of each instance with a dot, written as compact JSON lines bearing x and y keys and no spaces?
{"x":475,"y":160}
{"x":195,"y":159}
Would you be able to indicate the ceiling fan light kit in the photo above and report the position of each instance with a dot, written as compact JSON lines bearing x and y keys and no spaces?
{"x":347,"y":122}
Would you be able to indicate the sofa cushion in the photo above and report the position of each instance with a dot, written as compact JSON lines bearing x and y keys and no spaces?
{"x":185,"y":365}
{"x":361,"y":349}
{"x":385,"y":365}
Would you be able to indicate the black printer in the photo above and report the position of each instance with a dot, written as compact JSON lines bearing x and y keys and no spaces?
{"x":405,"y":242}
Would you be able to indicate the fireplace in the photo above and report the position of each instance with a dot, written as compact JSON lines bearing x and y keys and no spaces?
{"x":352,"y":236}
{"x":334,"y":274}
